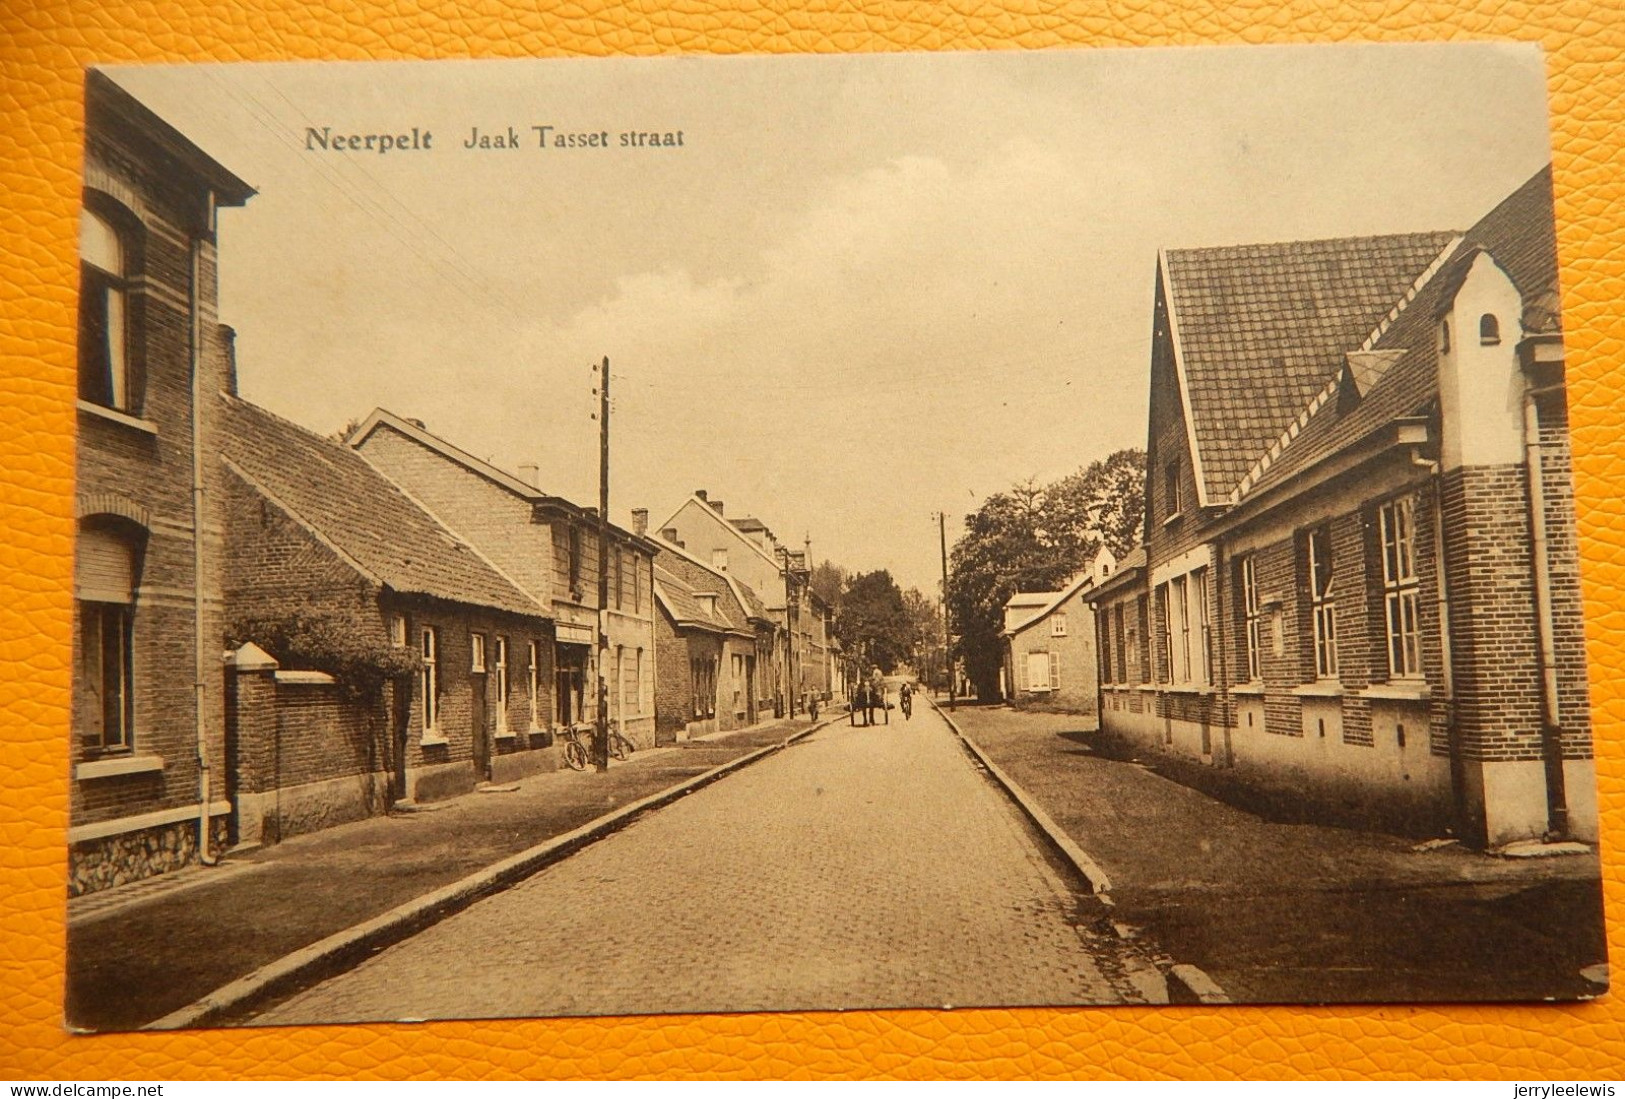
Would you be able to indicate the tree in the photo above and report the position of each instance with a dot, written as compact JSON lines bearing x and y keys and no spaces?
{"x":828,"y":579}
{"x":925,"y":631}
{"x":1034,"y":538}
{"x":873,"y":623}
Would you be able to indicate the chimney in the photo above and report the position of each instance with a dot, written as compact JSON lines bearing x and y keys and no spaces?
{"x":670,"y":535}
{"x":700,"y":492}
{"x":716,"y":506}
{"x":530,"y":473}
{"x":640,"y":521}
{"x":228,"y":340}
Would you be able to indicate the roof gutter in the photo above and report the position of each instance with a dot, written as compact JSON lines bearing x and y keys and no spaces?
{"x":1409,"y":432}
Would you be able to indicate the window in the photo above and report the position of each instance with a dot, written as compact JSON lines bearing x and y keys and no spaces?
{"x":476,"y":644}
{"x":637,"y":683}
{"x":397,"y":631}
{"x":532,"y":652}
{"x":1489,"y":330}
{"x":105,"y":271}
{"x":703,"y":679}
{"x":620,"y":577}
{"x":1165,"y":626}
{"x":1104,"y":643}
{"x":1170,"y":486}
{"x":1322,"y":604}
{"x":1400,"y":587}
{"x":1444,"y":338}
{"x":1252,"y":621}
{"x":106,"y":565}
{"x":1179,"y":595}
{"x":719,"y":560}
{"x":1145,"y":638}
{"x":1203,"y":671}
{"x":108,"y":720}
{"x":637,"y":585}
{"x":502,"y":684}
{"x":1038,"y":668}
{"x":1121,"y":665}
{"x":574,"y":561}
{"x":1057,"y":624}
{"x":620,"y":681}
{"x":430,"y":678}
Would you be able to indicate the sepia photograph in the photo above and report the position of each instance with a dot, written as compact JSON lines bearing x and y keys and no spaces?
{"x":638,"y":536}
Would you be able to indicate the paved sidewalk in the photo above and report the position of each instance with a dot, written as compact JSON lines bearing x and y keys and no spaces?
{"x":1291,"y":912}
{"x":137,"y":953}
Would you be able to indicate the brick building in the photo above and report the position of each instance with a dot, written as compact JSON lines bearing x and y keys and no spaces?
{"x":146,"y":744}
{"x":746,"y":548}
{"x":1049,"y":643}
{"x":709,"y":648}
{"x":548,"y":546}
{"x":317,"y":536}
{"x":1360,"y":589}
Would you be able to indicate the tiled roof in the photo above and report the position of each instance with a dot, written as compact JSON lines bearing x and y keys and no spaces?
{"x":1262,"y":328}
{"x":1520,"y":235}
{"x":683,"y":604}
{"x":333,"y":490}
{"x":684,"y":579}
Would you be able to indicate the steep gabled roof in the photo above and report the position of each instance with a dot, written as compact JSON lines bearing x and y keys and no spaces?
{"x":1520,"y":235}
{"x":745,"y":603}
{"x":1259,"y":330}
{"x":1055,"y":601}
{"x":683,"y":603}
{"x":414,"y":430}
{"x":722,"y":524}
{"x":353,"y":508}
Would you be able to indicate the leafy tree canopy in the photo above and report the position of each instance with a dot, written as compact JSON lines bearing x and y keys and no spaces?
{"x":873,"y":623}
{"x":1035,"y":537}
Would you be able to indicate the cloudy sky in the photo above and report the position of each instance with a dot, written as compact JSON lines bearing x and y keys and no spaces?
{"x":863,"y":290}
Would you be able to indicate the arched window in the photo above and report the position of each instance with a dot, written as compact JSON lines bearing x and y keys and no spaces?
{"x":105,"y":269}
{"x":1489,"y":329}
{"x":107,"y":566}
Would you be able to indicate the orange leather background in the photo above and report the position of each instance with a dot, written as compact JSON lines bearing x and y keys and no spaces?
{"x":43,"y":44}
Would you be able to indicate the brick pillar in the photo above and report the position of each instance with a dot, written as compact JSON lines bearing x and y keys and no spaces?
{"x":1494,"y":646}
{"x":251,"y":732}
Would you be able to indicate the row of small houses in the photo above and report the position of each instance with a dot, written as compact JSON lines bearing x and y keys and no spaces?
{"x":1358,"y":592}
{"x":441,"y":614}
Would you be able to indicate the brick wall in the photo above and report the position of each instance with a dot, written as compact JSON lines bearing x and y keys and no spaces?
{"x":140,"y":478}
{"x":1568,"y":622}
{"x":1491,"y":588}
{"x":483,"y":513}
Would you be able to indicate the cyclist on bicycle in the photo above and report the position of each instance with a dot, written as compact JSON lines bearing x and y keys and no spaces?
{"x":905,"y":698}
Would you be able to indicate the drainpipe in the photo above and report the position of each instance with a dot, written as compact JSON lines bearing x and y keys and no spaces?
{"x":1551,"y":730}
{"x":200,"y":666}
{"x":1447,"y":669}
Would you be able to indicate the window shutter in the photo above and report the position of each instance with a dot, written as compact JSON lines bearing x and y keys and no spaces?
{"x":1020,"y":665}
{"x":1054,"y":671}
{"x":105,"y":570}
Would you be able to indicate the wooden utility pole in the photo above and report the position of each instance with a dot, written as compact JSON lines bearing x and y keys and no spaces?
{"x":600,"y":732}
{"x":789,"y":643}
{"x":947,"y":634}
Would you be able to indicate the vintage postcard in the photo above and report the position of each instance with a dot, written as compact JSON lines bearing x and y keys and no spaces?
{"x":634,"y":536}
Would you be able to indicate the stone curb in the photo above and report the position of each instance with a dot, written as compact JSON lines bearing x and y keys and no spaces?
{"x":1080,"y":860}
{"x":1187,"y":984}
{"x":353,"y":944}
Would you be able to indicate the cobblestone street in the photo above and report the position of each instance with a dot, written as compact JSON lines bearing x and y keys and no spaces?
{"x":861,"y":868}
